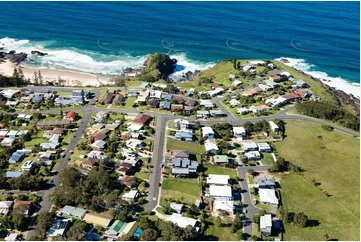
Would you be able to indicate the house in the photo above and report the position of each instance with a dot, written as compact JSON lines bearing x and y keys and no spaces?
{"x":13,"y":174}
{"x":216,"y":113}
{"x":118,"y":99}
{"x":13,"y":237}
{"x":28,"y":165}
{"x":266,"y":224}
{"x":70,"y":115}
{"x":242,"y":110}
{"x":277,"y":78}
{"x":37,"y":99}
{"x":206,"y":103}
{"x":108,"y":98}
{"x":46,"y":157}
{"x":59,"y":227}
{"x":249,"y":146}
{"x":300,"y":84}
{"x":178,"y":207}
{"x":264,"y":108}
{"x":133,"y":160}
{"x":17,"y":157}
{"x":264,"y":147}
{"x":153,"y":103}
{"x":211,"y":147}
{"x":97,"y":154}
{"x":97,"y":219}
{"x":264,"y":182}
{"x":216,"y":92}
{"x":5,"y":207}
{"x":3,"y":134}
{"x":215,"y":85}
{"x":249,"y":93}
{"x":26,"y":204}
{"x":236,"y":83}
{"x":220,"y":159}
{"x":234,"y":102}
{"x":180,"y":153}
{"x":8,"y":142}
{"x":166,"y":96}
{"x":214,"y":179}
{"x":72,"y":212}
{"x":182,"y":124}
{"x":177,"y":99}
{"x":184,"y":166}
{"x":184,"y":135}
{"x":116,"y":228}
{"x":125,"y":169}
{"x":141,"y":119}
{"x":223,"y":193}
{"x":135,"y":127}
{"x":49,"y":124}
{"x":129,"y":181}
{"x":89,"y":163}
{"x":134,"y":144}
{"x":265,"y":87}
{"x":113,"y":126}
{"x":276,"y":102}
{"x":271,"y":84}
{"x":49,"y":145}
{"x":252,"y":155}
{"x":183,"y":222}
{"x":303,"y":93}
{"x":130,"y":196}
{"x":164,"y":105}
{"x":13,"y":134}
{"x":101,"y":135}
{"x":274,"y":127}
{"x":268,"y":196}
{"x":155,"y":94}
{"x":9,"y":93}
{"x":77,"y":93}
{"x":176,"y":107}
{"x":227,"y":206}
{"x":239,"y":132}
{"x":207,"y":132}
{"x":132,"y":93}
{"x":202,"y":114}
{"x":54,"y":138}
{"x":98,"y":145}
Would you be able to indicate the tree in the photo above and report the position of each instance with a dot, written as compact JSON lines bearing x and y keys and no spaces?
{"x":40,"y":77}
{"x":300,"y":219}
{"x":78,"y":231}
{"x":149,"y":235}
{"x":19,"y":217}
{"x":61,"y":115}
{"x":45,"y":219}
{"x":36,"y":79}
{"x":83,"y":96}
{"x":237,"y":223}
{"x":122,"y":215}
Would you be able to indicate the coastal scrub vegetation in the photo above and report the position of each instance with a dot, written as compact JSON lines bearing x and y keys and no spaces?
{"x":17,"y":79}
{"x":329,"y":111}
{"x":157,"y":66}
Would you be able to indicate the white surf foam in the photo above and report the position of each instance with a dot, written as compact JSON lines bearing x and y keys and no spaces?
{"x":336,"y":82}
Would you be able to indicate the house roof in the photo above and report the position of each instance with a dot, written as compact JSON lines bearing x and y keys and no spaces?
{"x":182,"y":221}
{"x":239,"y":130}
{"x":13,"y":174}
{"x":118,"y":226}
{"x":98,"y":143}
{"x":265,"y":221}
{"x":91,"y":161}
{"x":141,"y":119}
{"x":70,"y":114}
{"x":268,"y":196}
{"x":220,"y":191}
{"x":176,"y":206}
{"x":181,"y":153}
{"x":210,"y":146}
{"x":130,"y":195}
{"x":207,"y":130}
{"x":218,"y":179}
{"x":108,"y":97}
{"x":184,"y":135}
{"x":129,"y":181}
{"x":97,"y":219}
{"x":220,"y":159}
{"x":21,"y":202}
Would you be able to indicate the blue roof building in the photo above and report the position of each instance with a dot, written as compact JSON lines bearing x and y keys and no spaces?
{"x":164,"y":105}
{"x":37,"y":98}
{"x":166,"y":96}
{"x":16,"y":157}
{"x":187,"y":136}
{"x":13,"y":174}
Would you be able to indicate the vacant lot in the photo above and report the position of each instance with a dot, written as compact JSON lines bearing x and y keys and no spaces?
{"x":331,"y":159}
{"x":193,"y":148}
{"x":187,"y":190}
{"x":221,"y":171}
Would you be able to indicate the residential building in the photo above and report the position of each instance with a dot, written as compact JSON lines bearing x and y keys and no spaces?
{"x":206,"y":103}
{"x":108,"y":98}
{"x":180,"y":153}
{"x":28,"y":165}
{"x":214,"y":179}
{"x":89,"y":163}
{"x":183,"y":222}
{"x":211,"y":147}
{"x":202,"y":114}
{"x":274,"y":127}
{"x":234,"y":102}
{"x":242,"y":110}
{"x":174,"y":107}
{"x":70,"y":115}
{"x":97,"y":219}
{"x":13,"y":174}
{"x":59,"y":227}
{"x":184,"y":166}
{"x":153,"y":103}
{"x":182,"y":124}
{"x":223,"y":193}
{"x":239,"y":132}
{"x":178,"y":207}
{"x":73,"y":212}
{"x":98,"y":145}
{"x":184,"y":135}
{"x":216,"y":113}
{"x":141,"y":119}
{"x":26,"y":204}
{"x":164,"y":105}
{"x":129,"y":181}
{"x":249,"y":146}
{"x":264,"y":147}
{"x":118,"y":99}
{"x":252,"y":155}
{"x":116,"y":228}
{"x":130,"y":196}
{"x":13,"y":237}
{"x":268,"y":196}
{"x":7,"y":142}
{"x":17,"y":157}
{"x":220,"y":159}
{"x":266,"y":224}
{"x":207,"y":132}
{"x":5,"y":207}
{"x":227,"y":206}
{"x":134,"y":144}
{"x":49,"y":145}
{"x":263,"y":182}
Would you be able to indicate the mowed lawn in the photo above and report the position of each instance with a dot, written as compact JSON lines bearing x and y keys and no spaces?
{"x":179,"y":188}
{"x":332,"y":159}
{"x":193,"y":148}
{"x":221,"y":171}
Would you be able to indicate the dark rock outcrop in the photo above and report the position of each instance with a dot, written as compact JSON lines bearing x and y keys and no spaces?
{"x":160,"y":63}
{"x":38,"y":53}
{"x":13,"y":56}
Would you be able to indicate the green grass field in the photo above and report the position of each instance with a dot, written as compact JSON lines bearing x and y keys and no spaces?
{"x":332,"y":159}
{"x":214,"y":232}
{"x":129,"y":102}
{"x":267,"y":159}
{"x":187,"y":190}
{"x":193,"y":148}
{"x":221,"y":171}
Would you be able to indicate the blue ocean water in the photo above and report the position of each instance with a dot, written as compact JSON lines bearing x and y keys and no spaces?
{"x":104,"y":37}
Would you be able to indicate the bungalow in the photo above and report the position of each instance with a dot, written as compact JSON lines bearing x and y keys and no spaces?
{"x":181,"y":124}
{"x":155,"y":94}
{"x":26,"y":204}
{"x":214,"y":179}
{"x":46,"y":157}
{"x":54,"y":138}
{"x":59,"y":227}
{"x":232,"y":76}
{"x":164,"y":105}
{"x":141,"y":99}
{"x":13,"y":237}
{"x":37,"y":99}
{"x":98,"y":145}
{"x":266,"y":224}
{"x":8,"y":142}
{"x":177,"y":99}
{"x":216,"y":113}
{"x":13,"y":174}
{"x":134,"y":144}
{"x":125,"y":169}
{"x":202,"y":114}
{"x":97,"y":219}
{"x":236,"y":83}
{"x":206,"y":103}
{"x":264,"y":108}
{"x":303,"y":93}
{"x":130,"y":196}
{"x":252,"y":155}
{"x":17,"y":157}
{"x":141,"y":119}
{"x":227,"y":206}
{"x":113,"y":126}
{"x":72,"y":212}
{"x":176,"y":107}
{"x":184,"y":163}
{"x":108,"y":98}
{"x":118,"y":99}
{"x":268,"y":196}
{"x":264,"y":147}
{"x":183,"y":222}
{"x":184,"y":135}
{"x":216,"y":91}
{"x":178,"y":207}
{"x":28,"y":165}
{"x":276,"y":102}
{"x":9,"y":93}
{"x":45,"y":124}
{"x":249,"y":93}
{"x":5,"y":207}
{"x":135,"y":127}
{"x":132,"y":160}
{"x":89,"y":163}
{"x":215,"y":85}
{"x":77,"y":93}
{"x":97,"y":154}
{"x":153,"y":103}
{"x":222,"y":193}
{"x":187,"y":111}
{"x":242,"y":110}
{"x":13,"y":134}
{"x":207,"y":132}
{"x":239,"y":132}
{"x":166,"y":96}
{"x":211,"y":147}
{"x":49,"y":145}
{"x":263,"y":182}
{"x":300,"y":84}
{"x":180,"y":153}
{"x":220,"y":159}
{"x":277,"y":78}
{"x":189,"y":102}
{"x":101,"y":135}
{"x":249,"y":146}
{"x":274,"y":127}
{"x":234,"y":102}
{"x":265,"y":87}
{"x":129,"y":181}
{"x":65,"y":101}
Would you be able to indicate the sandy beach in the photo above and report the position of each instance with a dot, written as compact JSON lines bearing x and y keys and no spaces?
{"x":71,"y":78}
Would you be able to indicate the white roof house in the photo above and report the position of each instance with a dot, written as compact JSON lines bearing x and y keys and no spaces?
{"x":242,"y":110}
{"x":98,"y":144}
{"x":220,"y":192}
{"x":5,"y":206}
{"x":236,"y":83}
{"x":59,"y":227}
{"x":274,"y":126}
{"x":134,"y":143}
{"x":7,"y":141}
{"x":264,"y":147}
{"x":211,"y":147}
{"x":13,"y":133}
{"x":54,"y":138}
{"x":278,"y":101}
{"x":3,"y":133}
{"x":214,"y":179}
{"x":207,"y":132}
{"x":234,"y":102}
{"x":130,"y":196}
{"x":12,"y":237}
{"x":266,"y":224}
{"x":223,"y":205}
{"x":181,"y":124}
{"x":253,"y":155}
{"x":216,"y":91}
{"x":97,"y":154}
{"x":49,"y":145}
{"x":247,"y":146}
{"x":176,"y":206}
{"x":207,"y":103}
{"x":239,"y":132}
{"x":183,"y":222}
{"x":135,"y":127}
{"x":155,"y":94}
{"x":268,"y":196}
{"x":27,"y":166}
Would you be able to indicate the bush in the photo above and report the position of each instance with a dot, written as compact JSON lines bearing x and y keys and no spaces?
{"x":327,"y":127}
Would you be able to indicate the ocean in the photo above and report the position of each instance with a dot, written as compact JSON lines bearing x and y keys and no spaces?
{"x":320,"y":38}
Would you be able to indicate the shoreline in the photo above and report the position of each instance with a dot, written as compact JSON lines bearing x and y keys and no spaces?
{"x":70,"y":77}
